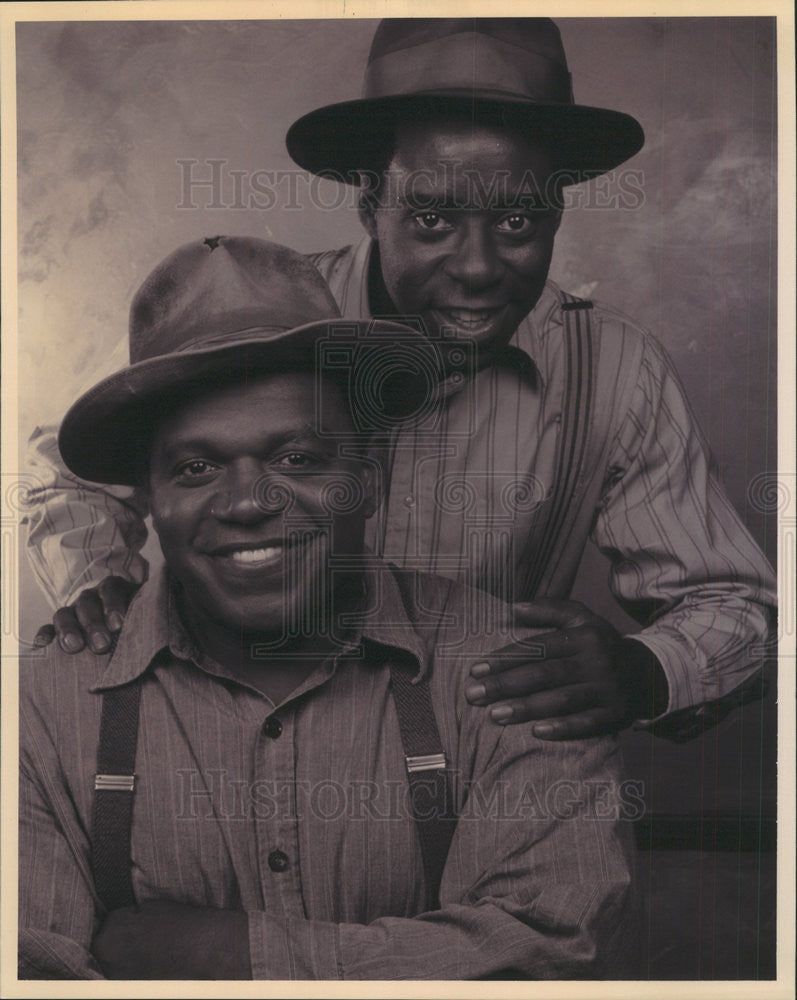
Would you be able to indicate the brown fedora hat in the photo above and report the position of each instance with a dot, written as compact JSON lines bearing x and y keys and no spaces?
{"x":226,"y":309}
{"x":513,"y":69}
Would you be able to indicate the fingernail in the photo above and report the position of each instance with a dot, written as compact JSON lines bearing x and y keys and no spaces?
{"x":475,"y":692}
{"x":39,"y":641}
{"x":543,"y":730}
{"x":98,"y":642}
{"x":480,"y":670}
{"x":72,"y":642}
{"x":501,"y":714}
{"x":114,"y":621}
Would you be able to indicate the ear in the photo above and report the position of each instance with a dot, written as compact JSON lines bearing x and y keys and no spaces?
{"x":366,"y":209}
{"x":370,"y":498}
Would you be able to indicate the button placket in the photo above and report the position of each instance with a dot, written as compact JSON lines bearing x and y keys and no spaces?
{"x":276,"y":827}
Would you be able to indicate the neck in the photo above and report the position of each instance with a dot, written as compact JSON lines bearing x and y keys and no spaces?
{"x":267,"y":660}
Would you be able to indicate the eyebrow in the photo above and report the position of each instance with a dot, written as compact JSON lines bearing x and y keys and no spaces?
{"x":303,"y":435}
{"x":450,"y":203}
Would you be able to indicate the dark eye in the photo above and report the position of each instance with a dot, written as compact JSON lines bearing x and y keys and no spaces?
{"x":196,"y":468}
{"x":431,"y":221}
{"x":515,"y":223}
{"x":296,"y":460}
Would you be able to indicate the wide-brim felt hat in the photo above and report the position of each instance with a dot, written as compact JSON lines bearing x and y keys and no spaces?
{"x":228,"y":309}
{"x":510,"y":70}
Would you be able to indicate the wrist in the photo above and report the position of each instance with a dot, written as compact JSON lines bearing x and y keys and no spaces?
{"x":644,"y":680}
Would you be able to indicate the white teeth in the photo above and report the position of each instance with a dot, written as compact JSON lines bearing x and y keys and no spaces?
{"x":256,"y":555}
{"x":469,"y":317}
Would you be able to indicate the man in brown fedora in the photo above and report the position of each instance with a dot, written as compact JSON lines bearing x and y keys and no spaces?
{"x":570,"y":425}
{"x":275,"y":774}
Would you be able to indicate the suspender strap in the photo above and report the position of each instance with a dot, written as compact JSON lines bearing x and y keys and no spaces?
{"x":114,"y":783}
{"x":430,"y":787}
{"x":576,"y":429}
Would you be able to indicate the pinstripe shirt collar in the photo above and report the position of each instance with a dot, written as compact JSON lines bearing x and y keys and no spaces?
{"x":153,"y":625}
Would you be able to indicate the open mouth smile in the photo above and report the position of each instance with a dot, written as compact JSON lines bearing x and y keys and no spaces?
{"x":468,"y":320}
{"x":259,"y":555}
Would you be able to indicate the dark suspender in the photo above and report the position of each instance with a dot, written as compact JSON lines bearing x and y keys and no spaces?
{"x":430,"y":788}
{"x":576,"y":426}
{"x":114,"y":784}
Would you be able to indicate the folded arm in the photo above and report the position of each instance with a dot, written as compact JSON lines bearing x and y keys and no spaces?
{"x":536,"y":886}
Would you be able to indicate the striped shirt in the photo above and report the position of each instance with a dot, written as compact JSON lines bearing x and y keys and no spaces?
{"x":468,"y":490}
{"x":297,"y":811}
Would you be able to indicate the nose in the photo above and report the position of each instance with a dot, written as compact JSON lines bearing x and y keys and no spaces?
{"x":474,"y":261}
{"x":250,"y":494}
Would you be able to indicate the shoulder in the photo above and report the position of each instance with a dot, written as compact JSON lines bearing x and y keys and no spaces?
{"x":464,"y":618}
{"x":457,"y":626}
{"x":558,"y":310}
{"x":470,"y":624}
{"x":55,"y":690}
{"x":624,"y":357}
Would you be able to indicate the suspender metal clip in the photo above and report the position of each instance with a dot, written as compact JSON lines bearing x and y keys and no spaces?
{"x":427,"y":762}
{"x":114,"y":782}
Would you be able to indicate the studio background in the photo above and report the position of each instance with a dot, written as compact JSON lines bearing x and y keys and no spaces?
{"x":115,"y":120}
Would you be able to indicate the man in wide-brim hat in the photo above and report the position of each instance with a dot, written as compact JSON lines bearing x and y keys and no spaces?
{"x":275,"y":774}
{"x":570,"y":424}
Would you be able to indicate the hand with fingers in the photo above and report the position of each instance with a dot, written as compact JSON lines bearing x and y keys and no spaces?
{"x":581,"y":679}
{"x":94,"y":618}
{"x":164,"y":939}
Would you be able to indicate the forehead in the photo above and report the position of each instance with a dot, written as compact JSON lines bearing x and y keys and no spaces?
{"x":467,"y":160}
{"x":278,"y":404}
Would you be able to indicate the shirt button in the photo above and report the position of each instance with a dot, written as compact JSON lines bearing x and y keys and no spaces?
{"x":278,"y":861}
{"x":272,"y":727}
{"x":409,"y":500}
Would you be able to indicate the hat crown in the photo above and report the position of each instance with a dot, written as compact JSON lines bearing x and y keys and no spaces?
{"x":507,"y":70}
{"x":522,"y":57}
{"x":215,"y":290}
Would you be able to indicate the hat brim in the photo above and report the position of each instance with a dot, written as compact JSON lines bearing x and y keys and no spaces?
{"x":387,"y":371}
{"x":339,"y":140}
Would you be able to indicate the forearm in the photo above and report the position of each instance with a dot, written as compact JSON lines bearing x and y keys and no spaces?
{"x":683,"y":563}
{"x":458,"y":942}
{"x":708,"y":649}
{"x":45,"y":955}
{"x":537,"y":884}
{"x":78,"y":533}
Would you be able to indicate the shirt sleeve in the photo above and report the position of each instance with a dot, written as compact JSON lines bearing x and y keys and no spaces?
{"x":56,"y":904}
{"x":682,"y":561}
{"x":78,"y":532}
{"x":536,"y":884}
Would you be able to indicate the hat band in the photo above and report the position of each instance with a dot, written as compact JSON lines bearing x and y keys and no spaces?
{"x":253,"y":333}
{"x":472,"y":62}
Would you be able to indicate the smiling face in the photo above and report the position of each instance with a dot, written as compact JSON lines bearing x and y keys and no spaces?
{"x":465,"y":235}
{"x":252,"y":505}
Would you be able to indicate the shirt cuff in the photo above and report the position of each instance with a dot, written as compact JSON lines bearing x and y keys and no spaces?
{"x":293,"y":949}
{"x":679,"y":674}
